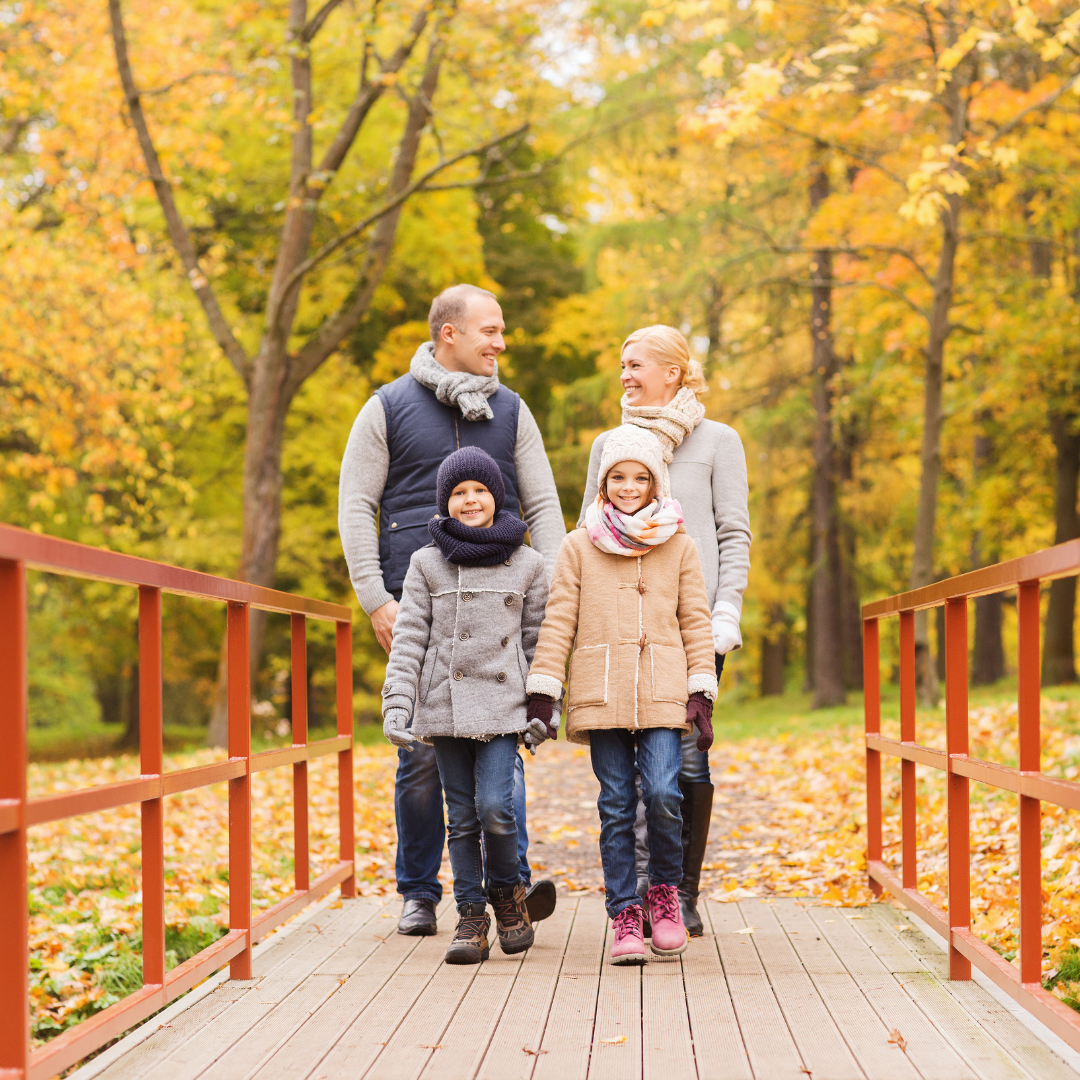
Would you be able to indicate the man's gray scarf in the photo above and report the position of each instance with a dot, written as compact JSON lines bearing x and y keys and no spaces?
{"x":468,"y":392}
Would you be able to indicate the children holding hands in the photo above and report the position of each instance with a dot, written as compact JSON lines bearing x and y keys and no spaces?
{"x":471,"y":608}
{"x":628,"y":607}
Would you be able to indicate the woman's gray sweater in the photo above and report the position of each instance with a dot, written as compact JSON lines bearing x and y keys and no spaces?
{"x":464,"y":638}
{"x":708,"y":477}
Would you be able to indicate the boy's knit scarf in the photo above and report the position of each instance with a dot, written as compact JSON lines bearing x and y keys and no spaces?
{"x":670,"y":423}
{"x":466,"y":545}
{"x":632,"y":534}
{"x":467,"y":392}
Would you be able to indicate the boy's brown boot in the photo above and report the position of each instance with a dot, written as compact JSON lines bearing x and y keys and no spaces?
{"x":512,"y":918}
{"x":470,"y":944}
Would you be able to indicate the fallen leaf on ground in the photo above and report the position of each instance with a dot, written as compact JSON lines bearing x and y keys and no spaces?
{"x":745,"y":930}
{"x":897,"y":1039}
{"x":614,"y":1040}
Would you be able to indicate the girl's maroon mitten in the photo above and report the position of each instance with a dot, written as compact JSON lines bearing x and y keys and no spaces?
{"x":699,"y":713}
{"x":540,"y":708}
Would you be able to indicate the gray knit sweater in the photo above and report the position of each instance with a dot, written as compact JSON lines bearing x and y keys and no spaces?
{"x":363,"y":479}
{"x":708,"y":477}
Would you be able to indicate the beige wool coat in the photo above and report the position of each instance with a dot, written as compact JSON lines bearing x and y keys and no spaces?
{"x":637,"y":632}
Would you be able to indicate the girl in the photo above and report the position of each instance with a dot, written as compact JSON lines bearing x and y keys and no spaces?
{"x":471,"y":607}
{"x":628,"y":607}
{"x":661,"y":385}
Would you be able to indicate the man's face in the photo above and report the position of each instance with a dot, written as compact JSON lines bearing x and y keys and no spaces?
{"x":475,"y":346}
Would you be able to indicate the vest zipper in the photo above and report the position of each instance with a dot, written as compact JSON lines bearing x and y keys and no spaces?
{"x":457,"y":437}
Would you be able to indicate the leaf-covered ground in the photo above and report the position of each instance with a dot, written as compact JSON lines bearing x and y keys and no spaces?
{"x":789,"y":820}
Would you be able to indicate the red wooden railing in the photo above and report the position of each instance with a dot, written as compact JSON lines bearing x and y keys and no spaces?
{"x":1027,"y":781}
{"x":20,"y":549}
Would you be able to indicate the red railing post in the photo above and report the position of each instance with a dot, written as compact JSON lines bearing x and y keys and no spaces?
{"x":909,"y":878}
{"x":956,"y":742}
{"x":1027,"y":610}
{"x":344,"y":683}
{"x":872,"y":723}
{"x":301,"y":855}
{"x":239,"y":631}
{"x":150,"y":759}
{"x":14,"y":895}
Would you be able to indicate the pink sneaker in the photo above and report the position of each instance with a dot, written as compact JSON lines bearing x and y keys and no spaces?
{"x":628,"y":944}
{"x":669,"y":935}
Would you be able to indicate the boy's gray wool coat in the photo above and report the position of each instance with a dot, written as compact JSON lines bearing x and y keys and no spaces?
{"x":464,"y":638}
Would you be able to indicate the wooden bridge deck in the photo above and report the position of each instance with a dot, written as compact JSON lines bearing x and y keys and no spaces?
{"x":811,"y":992}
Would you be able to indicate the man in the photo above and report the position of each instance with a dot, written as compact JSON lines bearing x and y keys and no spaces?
{"x":450,"y":398}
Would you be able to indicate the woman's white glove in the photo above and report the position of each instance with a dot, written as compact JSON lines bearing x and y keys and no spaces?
{"x":395,"y":728}
{"x":725,"y":627}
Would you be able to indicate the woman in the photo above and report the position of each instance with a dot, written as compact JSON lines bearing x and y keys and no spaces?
{"x":707,"y":470}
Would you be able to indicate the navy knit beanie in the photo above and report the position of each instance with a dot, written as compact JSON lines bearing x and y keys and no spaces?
{"x":469,"y":463}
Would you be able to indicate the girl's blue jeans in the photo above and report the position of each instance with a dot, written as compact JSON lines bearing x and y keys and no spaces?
{"x":478,"y":782}
{"x":659,"y":759}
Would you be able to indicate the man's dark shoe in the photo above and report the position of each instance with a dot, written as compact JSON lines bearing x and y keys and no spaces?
{"x":690,"y":917}
{"x":512,"y":918}
{"x":470,"y":944}
{"x":417,"y":918}
{"x":540,"y":899}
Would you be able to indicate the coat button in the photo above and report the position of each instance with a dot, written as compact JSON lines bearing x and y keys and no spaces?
{"x":464,"y":635}
{"x":466,"y":596}
{"x":458,"y":676}
{"x":393,"y":524}
{"x":509,"y":601}
{"x":508,"y":562}
{"x":501,"y":676}
{"x":505,"y":642}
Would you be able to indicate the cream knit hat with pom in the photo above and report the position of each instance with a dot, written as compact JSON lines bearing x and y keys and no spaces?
{"x":629,"y":443}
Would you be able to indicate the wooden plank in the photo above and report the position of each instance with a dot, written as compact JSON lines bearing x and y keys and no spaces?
{"x":821,"y":1045}
{"x":927,"y":1049}
{"x":769,"y":1045}
{"x":1012,"y":1034}
{"x":564,"y":1052}
{"x":305,"y":1047}
{"x":718,"y":1043}
{"x":356,"y":911}
{"x":667,"y":1048}
{"x":861,"y":1027}
{"x":618,"y":1016}
{"x":511,"y":1053}
{"x":877,"y":927}
{"x":464,"y":1043}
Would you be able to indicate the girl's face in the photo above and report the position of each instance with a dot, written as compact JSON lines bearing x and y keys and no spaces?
{"x":472,"y":504}
{"x":644,"y":381}
{"x":628,"y":486}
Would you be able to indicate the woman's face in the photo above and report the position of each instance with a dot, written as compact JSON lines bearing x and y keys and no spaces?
{"x":628,"y":486}
{"x":644,"y":381}
{"x":472,"y":504}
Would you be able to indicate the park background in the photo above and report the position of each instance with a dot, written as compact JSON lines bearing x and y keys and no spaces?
{"x":865,"y":218}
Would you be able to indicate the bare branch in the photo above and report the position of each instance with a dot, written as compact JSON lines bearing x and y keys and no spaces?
{"x":1043,"y":103}
{"x":817,"y":283}
{"x":320,"y":17}
{"x":187,"y":78}
{"x":840,"y":147}
{"x":178,"y":234}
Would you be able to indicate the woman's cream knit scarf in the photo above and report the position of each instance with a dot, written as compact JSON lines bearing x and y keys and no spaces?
{"x":670,"y":423}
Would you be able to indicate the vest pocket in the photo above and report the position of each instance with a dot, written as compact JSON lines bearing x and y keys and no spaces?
{"x":589,"y":676}
{"x":668,"y":668}
{"x":427,"y":672}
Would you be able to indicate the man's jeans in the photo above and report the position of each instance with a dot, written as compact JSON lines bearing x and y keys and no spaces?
{"x":659,"y":758}
{"x":418,"y":811}
{"x":478,"y":780}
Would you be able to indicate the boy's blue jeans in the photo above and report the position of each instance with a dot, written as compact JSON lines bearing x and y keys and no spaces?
{"x":421,"y":829}
{"x":478,"y":781}
{"x":659,"y":759}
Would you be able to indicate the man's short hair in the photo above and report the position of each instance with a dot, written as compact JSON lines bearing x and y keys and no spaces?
{"x":451,"y":306}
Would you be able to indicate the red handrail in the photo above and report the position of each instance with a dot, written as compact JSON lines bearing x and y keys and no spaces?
{"x":21,"y":549}
{"x":965,"y":948}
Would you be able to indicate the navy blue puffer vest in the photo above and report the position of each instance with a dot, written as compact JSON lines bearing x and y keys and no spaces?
{"x":420,"y":432}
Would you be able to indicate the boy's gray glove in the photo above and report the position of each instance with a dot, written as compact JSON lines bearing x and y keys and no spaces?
{"x":542,"y":722}
{"x":395,"y":728}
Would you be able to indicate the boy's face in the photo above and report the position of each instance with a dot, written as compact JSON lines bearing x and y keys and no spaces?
{"x":472,"y":504}
{"x":628,"y":486}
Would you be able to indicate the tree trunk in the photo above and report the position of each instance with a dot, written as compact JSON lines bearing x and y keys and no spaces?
{"x":827,"y":627}
{"x":988,"y":661}
{"x":1059,"y":657}
{"x":774,"y":654}
{"x":850,"y":609}
{"x":130,"y":741}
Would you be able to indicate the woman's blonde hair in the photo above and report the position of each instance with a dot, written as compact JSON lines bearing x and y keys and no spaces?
{"x":666,"y":345}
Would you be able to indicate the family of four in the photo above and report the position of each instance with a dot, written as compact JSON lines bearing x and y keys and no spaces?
{"x":444,"y":474}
